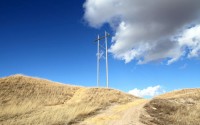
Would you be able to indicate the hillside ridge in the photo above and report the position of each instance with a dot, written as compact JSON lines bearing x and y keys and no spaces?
{"x":22,"y":98}
{"x":32,"y":100}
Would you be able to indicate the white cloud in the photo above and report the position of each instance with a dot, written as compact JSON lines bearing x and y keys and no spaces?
{"x":101,"y":54}
{"x":190,"y":39}
{"x":149,"y":91}
{"x":145,"y":30}
{"x":184,"y":66}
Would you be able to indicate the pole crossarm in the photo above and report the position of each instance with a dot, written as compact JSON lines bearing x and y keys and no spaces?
{"x":103,"y":37}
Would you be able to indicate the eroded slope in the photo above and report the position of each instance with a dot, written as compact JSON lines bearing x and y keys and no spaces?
{"x":175,"y":108}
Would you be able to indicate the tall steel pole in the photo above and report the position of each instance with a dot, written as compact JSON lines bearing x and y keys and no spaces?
{"x":98,"y":57}
{"x":106,"y":43}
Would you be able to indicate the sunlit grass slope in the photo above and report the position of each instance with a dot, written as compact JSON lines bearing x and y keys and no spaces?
{"x":181,"y":107}
{"x":26,"y":100}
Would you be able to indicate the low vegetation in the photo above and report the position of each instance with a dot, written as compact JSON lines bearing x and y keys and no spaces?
{"x":27,"y":100}
{"x":175,"y":108}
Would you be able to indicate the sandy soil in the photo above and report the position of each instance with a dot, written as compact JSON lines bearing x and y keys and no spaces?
{"x":126,"y":114}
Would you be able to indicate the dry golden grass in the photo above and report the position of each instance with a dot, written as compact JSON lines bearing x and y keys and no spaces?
{"x":181,"y":107}
{"x":26,"y":100}
{"x":116,"y":115}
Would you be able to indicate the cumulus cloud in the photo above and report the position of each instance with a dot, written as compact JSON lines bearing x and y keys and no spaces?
{"x":190,"y":39}
{"x":149,"y":91}
{"x":148,"y":30}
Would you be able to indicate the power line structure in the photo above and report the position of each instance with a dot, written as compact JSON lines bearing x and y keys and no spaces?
{"x":99,"y":54}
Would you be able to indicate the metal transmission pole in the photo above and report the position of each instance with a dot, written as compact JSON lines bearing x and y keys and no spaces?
{"x":98,"y":57}
{"x":106,"y":43}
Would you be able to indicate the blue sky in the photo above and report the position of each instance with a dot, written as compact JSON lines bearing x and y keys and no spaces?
{"x":51,"y":39}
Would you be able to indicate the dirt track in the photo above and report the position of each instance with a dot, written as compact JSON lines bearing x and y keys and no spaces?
{"x":126,"y":114}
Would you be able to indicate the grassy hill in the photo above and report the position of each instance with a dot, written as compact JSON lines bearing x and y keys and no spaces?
{"x":181,"y":107}
{"x":33,"y":101}
{"x":27,"y":100}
